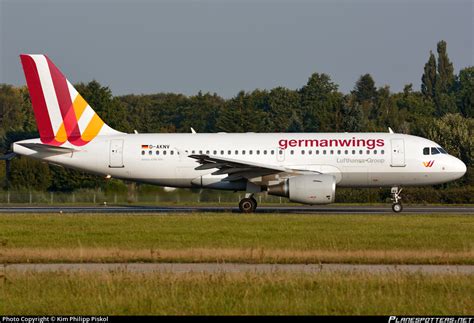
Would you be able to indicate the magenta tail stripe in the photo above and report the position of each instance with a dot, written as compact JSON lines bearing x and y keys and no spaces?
{"x":37,"y":99}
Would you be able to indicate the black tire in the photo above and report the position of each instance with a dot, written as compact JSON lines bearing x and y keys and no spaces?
{"x":397,"y":207}
{"x":255,"y":201}
{"x":247,"y":205}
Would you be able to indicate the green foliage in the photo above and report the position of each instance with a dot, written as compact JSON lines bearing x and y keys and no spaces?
{"x":465,"y":92}
{"x":29,"y":173}
{"x":320,"y":104}
{"x":364,"y":89}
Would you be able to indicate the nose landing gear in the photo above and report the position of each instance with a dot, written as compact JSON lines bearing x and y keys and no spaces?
{"x":397,"y":206}
{"x":248,"y":204}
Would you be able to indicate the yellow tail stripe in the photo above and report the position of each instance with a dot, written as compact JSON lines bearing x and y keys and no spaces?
{"x":79,"y":106}
{"x":61,"y":136}
{"x":93,"y":128}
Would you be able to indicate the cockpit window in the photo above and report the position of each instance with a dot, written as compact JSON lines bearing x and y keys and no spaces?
{"x":434,"y":151}
{"x":442,"y":150}
{"x":426,"y":151}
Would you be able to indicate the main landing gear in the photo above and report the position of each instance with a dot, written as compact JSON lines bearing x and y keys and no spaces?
{"x":248,"y":204}
{"x":397,"y":206}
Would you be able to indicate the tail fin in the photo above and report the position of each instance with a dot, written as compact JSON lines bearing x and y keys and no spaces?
{"x":60,"y":111}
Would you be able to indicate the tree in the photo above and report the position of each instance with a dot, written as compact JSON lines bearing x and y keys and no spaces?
{"x":30,"y":174}
{"x":445,"y":75}
{"x":241,"y":115}
{"x":320,"y":103}
{"x":283,"y":110}
{"x":464,"y":91}
{"x":352,"y":115}
{"x":11,"y":112}
{"x":428,"y":79}
{"x":364,"y":89}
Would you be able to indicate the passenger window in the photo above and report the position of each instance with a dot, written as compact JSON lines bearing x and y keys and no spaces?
{"x":192,"y":152}
{"x":375,"y":152}
{"x":360,"y":152}
{"x":172,"y":152}
{"x":229,"y":152}
{"x":243,"y":152}
{"x":236,"y":152}
{"x":264,"y":152}
{"x":143,"y":152}
{"x":317,"y":152}
{"x":215,"y":152}
{"x":292,"y":152}
{"x":250,"y":152}
{"x":346,"y":152}
{"x":332,"y":152}
{"x":157,"y":152}
{"x":222,"y":152}
{"x":338,"y":152}
{"x":258,"y":152}
{"x":382,"y":151}
{"x":324,"y":152}
{"x":164,"y":152}
{"x":310,"y":152}
{"x":426,"y":151}
{"x":302,"y":152}
{"x":207,"y":152}
{"x":150,"y":152}
{"x":368,"y":152}
{"x":434,"y":151}
{"x":353,"y":152}
{"x":280,"y":152}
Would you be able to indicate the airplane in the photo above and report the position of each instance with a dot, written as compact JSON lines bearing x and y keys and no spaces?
{"x":304,"y":167}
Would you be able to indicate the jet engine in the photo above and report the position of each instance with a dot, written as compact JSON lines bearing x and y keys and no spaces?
{"x":307,"y":189}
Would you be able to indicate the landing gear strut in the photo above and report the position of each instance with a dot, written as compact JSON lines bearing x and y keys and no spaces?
{"x":248,"y":204}
{"x":397,"y":206}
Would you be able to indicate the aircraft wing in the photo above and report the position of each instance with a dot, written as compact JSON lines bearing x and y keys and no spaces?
{"x":238,"y":169}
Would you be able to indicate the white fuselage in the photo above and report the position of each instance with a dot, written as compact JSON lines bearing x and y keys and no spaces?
{"x":355,"y":159}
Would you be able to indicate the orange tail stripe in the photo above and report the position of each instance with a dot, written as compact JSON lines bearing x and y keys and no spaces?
{"x":93,"y":128}
{"x":61,"y":136}
{"x":79,"y":106}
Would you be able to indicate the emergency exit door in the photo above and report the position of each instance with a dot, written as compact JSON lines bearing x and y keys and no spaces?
{"x":116,"y":153}
{"x":398,"y":153}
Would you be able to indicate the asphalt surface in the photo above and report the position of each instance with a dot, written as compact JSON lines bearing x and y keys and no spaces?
{"x":239,"y":268}
{"x":331,"y":209}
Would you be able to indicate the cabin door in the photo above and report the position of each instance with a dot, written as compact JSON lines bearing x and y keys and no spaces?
{"x":398,"y":153}
{"x":116,"y":153}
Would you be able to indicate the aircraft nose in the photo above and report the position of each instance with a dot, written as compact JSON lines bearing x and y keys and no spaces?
{"x":459,"y":168}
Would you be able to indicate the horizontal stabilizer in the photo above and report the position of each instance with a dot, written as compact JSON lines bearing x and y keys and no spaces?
{"x":8,"y":156}
{"x":43,"y":148}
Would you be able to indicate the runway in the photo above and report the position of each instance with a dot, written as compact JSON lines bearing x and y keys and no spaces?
{"x":331,"y":209}
{"x":238,"y":268}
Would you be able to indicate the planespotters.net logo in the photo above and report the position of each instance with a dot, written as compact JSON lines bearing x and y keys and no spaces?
{"x":396,"y":319}
{"x":353,"y":142}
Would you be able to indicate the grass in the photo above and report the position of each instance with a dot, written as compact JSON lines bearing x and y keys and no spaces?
{"x":200,"y":237}
{"x":122,"y":293}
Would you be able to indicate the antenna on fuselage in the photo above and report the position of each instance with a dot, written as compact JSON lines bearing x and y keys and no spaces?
{"x":192,"y":130}
{"x":390,"y":130}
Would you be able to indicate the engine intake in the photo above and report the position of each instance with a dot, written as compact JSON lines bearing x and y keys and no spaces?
{"x":307,"y":189}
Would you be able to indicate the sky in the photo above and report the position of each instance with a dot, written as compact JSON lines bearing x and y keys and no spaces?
{"x":227,"y":46}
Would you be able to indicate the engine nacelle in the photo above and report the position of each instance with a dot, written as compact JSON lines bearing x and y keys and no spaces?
{"x":307,"y":189}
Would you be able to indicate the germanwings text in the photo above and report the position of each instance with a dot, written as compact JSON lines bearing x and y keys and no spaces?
{"x":354,"y":142}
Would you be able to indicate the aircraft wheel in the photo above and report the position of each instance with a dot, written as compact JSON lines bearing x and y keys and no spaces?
{"x":254,"y":201}
{"x":247,"y":205}
{"x":397,"y":207}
